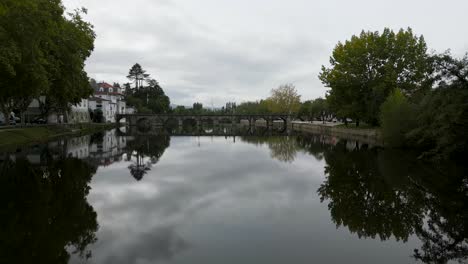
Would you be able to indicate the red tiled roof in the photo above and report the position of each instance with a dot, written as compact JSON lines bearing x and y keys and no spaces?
{"x":105,"y":85}
{"x":98,"y":99}
{"x":113,"y":93}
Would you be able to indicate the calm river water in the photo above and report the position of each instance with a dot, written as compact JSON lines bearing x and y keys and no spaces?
{"x":200,"y":200}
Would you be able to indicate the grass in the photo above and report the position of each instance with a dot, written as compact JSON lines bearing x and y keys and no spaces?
{"x":29,"y":135}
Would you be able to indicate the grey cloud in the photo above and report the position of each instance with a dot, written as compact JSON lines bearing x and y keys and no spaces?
{"x":222,"y":50}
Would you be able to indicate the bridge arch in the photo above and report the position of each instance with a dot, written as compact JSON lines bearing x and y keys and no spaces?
{"x":118,"y":119}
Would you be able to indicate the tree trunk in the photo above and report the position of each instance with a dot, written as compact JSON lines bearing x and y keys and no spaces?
{"x":23,"y":120}
{"x":357,"y":122}
{"x":346,"y":121}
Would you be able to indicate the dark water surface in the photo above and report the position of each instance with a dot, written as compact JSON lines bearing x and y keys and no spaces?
{"x":161,"y":199}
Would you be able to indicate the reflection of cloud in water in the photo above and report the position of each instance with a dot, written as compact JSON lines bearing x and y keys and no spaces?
{"x":161,"y":243}
{"x":190,"y":182}
{"x":221,"y":199}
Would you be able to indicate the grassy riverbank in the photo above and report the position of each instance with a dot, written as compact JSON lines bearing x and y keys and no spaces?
{"x":28,"y":135}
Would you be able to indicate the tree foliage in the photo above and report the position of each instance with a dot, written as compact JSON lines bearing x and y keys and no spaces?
{"x":284,"y":99}
{"x":253,"y":107}
{"x":43,"y":52}
{"x":367,"y":68}
{"x":314,"y":109}
{"x":396,"y":118}
{"x":148,"y":98}
{"x":442,"y":123}
{"x":137,"y":75}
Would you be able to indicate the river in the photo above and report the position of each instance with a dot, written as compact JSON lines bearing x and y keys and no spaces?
{"x":113,"y":198}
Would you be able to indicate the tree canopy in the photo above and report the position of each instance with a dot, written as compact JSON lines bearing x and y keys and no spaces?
{"x":442,"y":123}
{"x":284,"y":99}
{"x":149,"y":98}
{"x":367,"y":68}
{"x":313,"y":109}
{"x":43,"y":52}
{"x":137,"y":75}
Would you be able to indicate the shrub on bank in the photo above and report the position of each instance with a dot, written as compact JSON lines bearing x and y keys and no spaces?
{"x":397,"y":119}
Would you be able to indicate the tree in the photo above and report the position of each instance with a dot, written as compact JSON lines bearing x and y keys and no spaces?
{"x":137,"y":75}
{"x":311,"y":110}
{"x":442,"y":123}
{"x":43,"y":53}
{"x":197,"y":108}
{"x":257,"y":107}
{"x":367,"y":68}
{"x":396,"y":118}
{"x":93,"y":83}
{"x":148,"y":99}
{"x":284,"y":99}
{"x":97,"y":116}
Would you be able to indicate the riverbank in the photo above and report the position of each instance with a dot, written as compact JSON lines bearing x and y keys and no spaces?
{"x":11,"y":137}
{"x":368,"y":135}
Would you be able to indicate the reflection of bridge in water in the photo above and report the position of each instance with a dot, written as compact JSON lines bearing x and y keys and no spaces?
{"x":218,"y":130}
{"x":180,"y":120}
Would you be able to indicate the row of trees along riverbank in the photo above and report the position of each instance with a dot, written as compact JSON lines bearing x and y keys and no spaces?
{"x":390,"y":81}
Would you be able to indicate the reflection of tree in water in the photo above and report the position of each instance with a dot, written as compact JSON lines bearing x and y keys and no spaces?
{"x":446,"y":235}
{"x":314,"y":144}
{"x":383,"y":193}
{"x":45,"y":213}
{"x":145,"y":151}
{"x":282,"y":148}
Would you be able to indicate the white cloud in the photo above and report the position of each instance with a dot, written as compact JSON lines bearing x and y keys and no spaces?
{"x":220,"y":50}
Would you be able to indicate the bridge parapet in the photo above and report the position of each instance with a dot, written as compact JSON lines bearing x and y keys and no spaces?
{"x":160,"y":119}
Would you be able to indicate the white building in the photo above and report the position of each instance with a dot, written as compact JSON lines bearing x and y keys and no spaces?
{"x":79,"y":113}
{"x":109,"y":99}
{"x":106,"y":106}
{"x":110,"y":149}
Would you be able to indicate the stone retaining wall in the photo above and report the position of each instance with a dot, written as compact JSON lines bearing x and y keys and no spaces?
{"x":371,"y":136}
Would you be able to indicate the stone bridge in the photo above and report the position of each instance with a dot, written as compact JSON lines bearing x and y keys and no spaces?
{"x":163,"y":119}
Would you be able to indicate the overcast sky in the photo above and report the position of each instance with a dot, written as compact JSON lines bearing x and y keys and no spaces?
{"x":215,"y":51}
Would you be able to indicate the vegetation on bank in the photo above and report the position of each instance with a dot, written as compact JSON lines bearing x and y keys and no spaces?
{"x":388,"y":79}
{"x":28,"y":135}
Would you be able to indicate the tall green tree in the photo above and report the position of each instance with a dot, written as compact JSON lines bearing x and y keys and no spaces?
{"x":197,"y":108}
{"x":137,"y":75}
{"x":42,"y":53}
{"x":149,"y":99}
{"x":367,"y":68}
{"x":397,"y":119}
{"x":284,"y":99}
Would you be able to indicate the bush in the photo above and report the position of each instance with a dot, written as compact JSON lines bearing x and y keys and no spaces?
{"x":98,"y":116}
{"x":442,"y":126}
{"x":397,"y":119}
